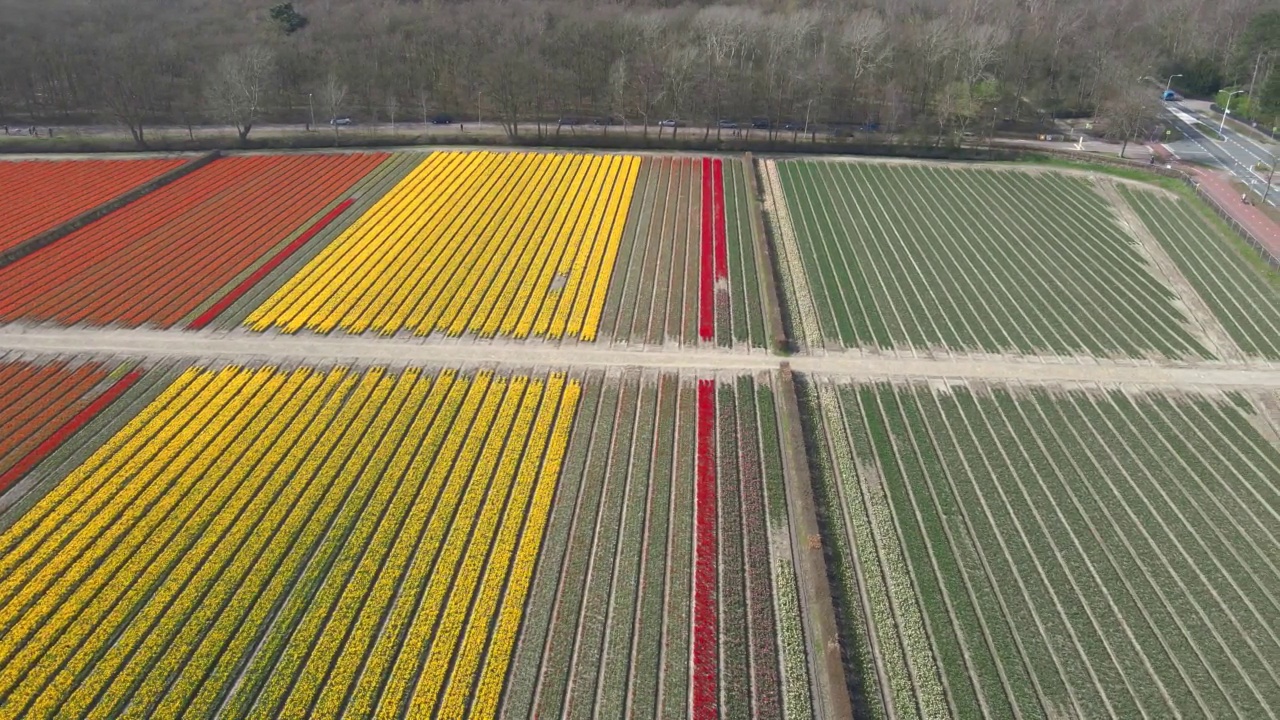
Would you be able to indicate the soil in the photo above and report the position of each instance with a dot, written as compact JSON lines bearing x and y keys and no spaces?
{"x":247,"y":347}
{"x":1206,"y":327}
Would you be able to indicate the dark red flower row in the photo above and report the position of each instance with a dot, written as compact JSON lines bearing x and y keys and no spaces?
{"x":705,"y":602}
{"x":714,"y":246}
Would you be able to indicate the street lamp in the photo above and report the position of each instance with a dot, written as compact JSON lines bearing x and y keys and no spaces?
{"x":1270,"y":175}
{"x":1170,"y":83}
{"x":1226,"y":110}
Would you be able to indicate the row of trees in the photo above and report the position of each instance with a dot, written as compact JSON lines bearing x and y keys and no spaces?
{"x":926,"y":66}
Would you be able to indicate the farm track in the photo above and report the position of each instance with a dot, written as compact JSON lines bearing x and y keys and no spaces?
{"x":250,"y":347}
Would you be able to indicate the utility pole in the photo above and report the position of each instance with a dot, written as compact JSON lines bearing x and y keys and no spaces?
{"x":1226,"y":110}
{"x":311,"y":106}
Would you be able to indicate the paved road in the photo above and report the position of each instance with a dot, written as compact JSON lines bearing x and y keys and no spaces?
{"x":1236,"y":153}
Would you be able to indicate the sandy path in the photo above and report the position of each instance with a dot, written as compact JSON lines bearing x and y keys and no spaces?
{"x":249,"y":347}
{"x":1206,"y":327}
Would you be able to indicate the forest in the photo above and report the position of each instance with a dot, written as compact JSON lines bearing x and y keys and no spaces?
{"x":898,"y":65}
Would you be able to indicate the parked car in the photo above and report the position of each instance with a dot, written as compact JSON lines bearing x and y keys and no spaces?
{"x":570,"y":121}
{"x":340,"y":121}
{"x":669,"y":122}
{"x":442,"y":120}
{"x":728,"y":124}
{"x":760,"y":123}
{"x":603,"y":121}
{"x":792,"y":126}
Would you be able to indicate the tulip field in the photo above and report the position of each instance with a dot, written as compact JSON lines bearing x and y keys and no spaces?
{"x":262,"y":541}
{"x":1243,"y":294}
{"x":918,"y":257}
{"x":666,"y":588}
{"x":43,"y":404}
{"x":1042,"y":552}
{"x":688,"y":269}
{"x":258,"y":541}
{"x":40,"y":194}
{"x":487,"y":243}
{"x":156,"y":260}
{"x":501,"y":434}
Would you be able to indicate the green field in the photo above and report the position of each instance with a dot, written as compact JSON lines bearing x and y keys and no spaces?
{"x":1243,"y":293}
{"x":1037,"y":552}
{"x":903,"y":256}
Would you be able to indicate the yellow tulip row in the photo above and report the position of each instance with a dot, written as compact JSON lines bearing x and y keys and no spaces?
{"x":241,"y":585}
{"x":553,"y":433}
{"x":495,"y":511}
{"x":394,"y":532}
{"x":177,"y":598}
{"x":470,"y":266}
{"x":584,"y":293}
{"x":363,"y":507}
{"x":277,"y":655}
{"x":445,"y":443}
{"x":465,"y":492}
{"x":471,"y":242}
{"x":71,"y":595}
{"x":301,"y":545}
{"x":485,"y":179}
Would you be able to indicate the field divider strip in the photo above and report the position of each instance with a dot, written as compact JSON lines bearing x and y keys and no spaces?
{"x":830,"y":689}
{"x":225,"y":302}
{"x":64,"y":229}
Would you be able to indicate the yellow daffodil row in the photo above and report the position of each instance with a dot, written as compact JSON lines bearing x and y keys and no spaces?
{"x":265,"y":543}
{"x":487,"y":243}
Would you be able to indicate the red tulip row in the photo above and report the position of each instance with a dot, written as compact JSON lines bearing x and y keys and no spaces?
{"x":159,"y":258}
{"x":705,"y":613}
{"x":256,"y":276}
{"x":714,"y":249}
{"x":41,"y":194}
{"x":62,"y":411}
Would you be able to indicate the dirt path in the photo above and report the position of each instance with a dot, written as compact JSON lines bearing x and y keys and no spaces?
{"x":1206,"y":326}
{"x":251,"y":347}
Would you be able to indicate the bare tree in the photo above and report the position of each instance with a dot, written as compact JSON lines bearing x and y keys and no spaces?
{"x":333,"y":95}
{"x":1129,"y":112}
{"x":237,"y":87}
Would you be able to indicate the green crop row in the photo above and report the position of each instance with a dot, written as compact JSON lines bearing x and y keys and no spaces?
{"x":1084,"y":552}
{"x":976,"y":260}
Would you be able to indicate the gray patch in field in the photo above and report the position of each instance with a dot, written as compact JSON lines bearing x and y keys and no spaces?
{"x":559,"y":281}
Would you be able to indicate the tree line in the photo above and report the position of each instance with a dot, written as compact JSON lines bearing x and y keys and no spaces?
{"x":943,"y":67}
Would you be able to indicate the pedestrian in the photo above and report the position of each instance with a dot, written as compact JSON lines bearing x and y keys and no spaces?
{"x":50,"y":132}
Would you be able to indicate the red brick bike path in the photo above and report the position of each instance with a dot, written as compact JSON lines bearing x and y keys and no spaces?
{"x":1217,"y":185}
